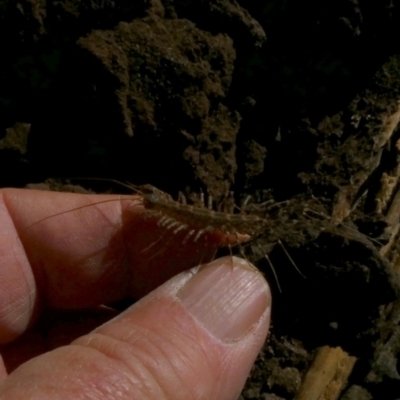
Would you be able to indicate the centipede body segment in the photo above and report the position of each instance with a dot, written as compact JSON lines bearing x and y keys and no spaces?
{"x":177,"y":216}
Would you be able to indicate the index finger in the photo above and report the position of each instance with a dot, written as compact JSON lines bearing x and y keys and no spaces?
{"x":107,"y":248}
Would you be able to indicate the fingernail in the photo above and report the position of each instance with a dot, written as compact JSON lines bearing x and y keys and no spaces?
{"x":227,"y":296}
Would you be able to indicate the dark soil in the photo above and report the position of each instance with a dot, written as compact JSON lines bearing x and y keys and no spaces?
{"x":296,"y":102}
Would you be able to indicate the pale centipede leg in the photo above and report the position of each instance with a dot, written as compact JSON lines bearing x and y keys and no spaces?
{"x":164,"y":245}
{"x":272,"y":268}
{"x":231,"y":254}
{"x":208,"y":260}
{"x":241,"y":249}
{"x":245,"y":202}
{"x":202,"y":202}
{"x":154,"y":243}
{"x":231,"y":202}
{"x":162,"y":249}
{"x":163,"y":235}
{"x":164,"y":221}
{"x":291,"y":259}
{"x":182,"y":198}
{"x":227,"y":204}
{"x":199,"y":233}
{"x":242,"y":253}
{"x":172,"y":224}
{"x":188,"y":236}
{"x":180,"y":228}
{"x":209,"y":202}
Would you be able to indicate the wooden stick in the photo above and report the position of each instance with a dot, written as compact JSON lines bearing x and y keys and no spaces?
{"x":327,"y":375}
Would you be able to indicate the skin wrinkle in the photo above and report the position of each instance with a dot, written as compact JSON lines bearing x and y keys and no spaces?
{"x":134,"y":334}
{"x":153,"y":337}
{"x":168,"y":361}
{"x":208,"y":367}
{"x":21,"y":315}
{"x":146,"y":380}
{"x":127,"y":372}
{"x":224,"y":366}
{"x":104,"y":392}
{"x":140,"y":376}
{"x":200,"y":350}
{"x":114,"y":387}
{"x":192,"y":343}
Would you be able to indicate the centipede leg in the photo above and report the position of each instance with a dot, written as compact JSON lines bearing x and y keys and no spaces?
{"x":202,"y":201}
{"x":202,"y":232}
{"x":272,"y":268}
{"x":290,"y":259}
{"x":172,"y":224}
{"x":188,"y":236}
{"x":182,"y":198}
{"x":161,"y":220}
{"x":164,"y":221}
{"x":209,"y":201}
{"x":163,"y":235}
{"x":154,"y":243}
{"x":241,"y":249}
{"x":198,"y":235}
{"x":180,"y":228}
{"x":243,"y":255}
{"x":231,"y":254}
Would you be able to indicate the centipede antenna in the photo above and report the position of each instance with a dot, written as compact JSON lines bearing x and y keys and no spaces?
{"x":291,"y":259}
{"x":77,"y":208}
{"x":126,"y":185}
{"x":351,"y":229}
{"x":272,"y":268}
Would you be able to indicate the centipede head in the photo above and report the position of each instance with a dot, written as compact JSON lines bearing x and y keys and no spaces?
{"x":147,"y":190}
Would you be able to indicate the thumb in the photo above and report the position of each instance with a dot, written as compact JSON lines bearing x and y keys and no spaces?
{"x":195,"y":337}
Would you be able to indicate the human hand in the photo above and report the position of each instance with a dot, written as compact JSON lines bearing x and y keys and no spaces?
{"x":194,"y":337}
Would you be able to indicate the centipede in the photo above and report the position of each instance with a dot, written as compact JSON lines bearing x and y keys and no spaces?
{"x":197,"y":220}
{"x":193,"y":221}
{"x":178,"y":216}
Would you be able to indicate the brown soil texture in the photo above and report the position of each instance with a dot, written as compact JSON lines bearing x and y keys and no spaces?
{"x":293,"y":103}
